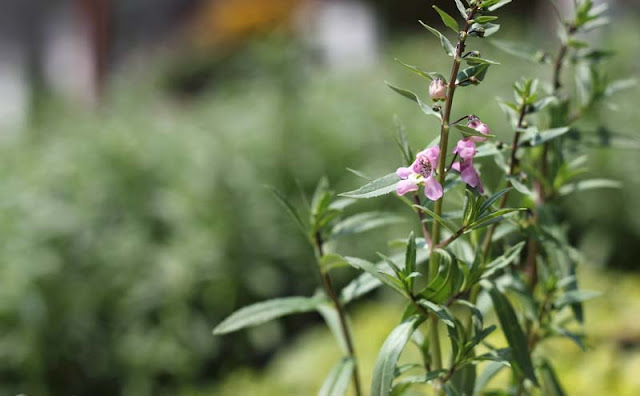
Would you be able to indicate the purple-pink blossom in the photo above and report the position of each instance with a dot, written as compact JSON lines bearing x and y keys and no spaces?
{"x":475,"y":123}
{"x":466,"y":149}
{"x":421,"y":172}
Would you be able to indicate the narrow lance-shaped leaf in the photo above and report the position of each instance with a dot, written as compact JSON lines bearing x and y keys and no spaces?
{"x":337,"y":382}
{"x":384,"y":370}
{"x":437,"y":218}
{"x":428,"y":75}
{"x":362,"y":222}
{"x":468,"y":131}
{"x":411,"y":96}
{"x":461,"y":8}
{"x":513,"y":333}
{"x":478,"y":72}
{"x":447,"y":19}
{"x":446,"y":44}
{"x":503,"y":261}
{"x":289,"y":207}
{"x":535,"y":138}
{"x":550,"y":382}
{"x":332,"y":319}
{"x":373,"y":270}
{"x":589,"y":185}
{"x":256,"y":314}
{"x":490,"y":371}
{"x":493,"y":217}
{"x":375,"y":188}
{"x":519,"y":50}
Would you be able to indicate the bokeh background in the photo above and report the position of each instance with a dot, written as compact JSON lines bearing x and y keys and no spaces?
{"x":135,"y":140}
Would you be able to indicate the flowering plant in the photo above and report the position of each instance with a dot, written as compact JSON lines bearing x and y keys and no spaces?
{"x":502,"y":251}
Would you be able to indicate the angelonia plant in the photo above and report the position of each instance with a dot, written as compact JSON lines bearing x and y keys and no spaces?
{"x":499,"y":255}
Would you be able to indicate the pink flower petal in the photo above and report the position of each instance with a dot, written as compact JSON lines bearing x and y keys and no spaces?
{"x":403,"y":173}
{"x":432,"y":189}
{"x":404,"y":186}
{"x":480,"y":127}
{"x":465,"y":148}
{"x":469,"y":175}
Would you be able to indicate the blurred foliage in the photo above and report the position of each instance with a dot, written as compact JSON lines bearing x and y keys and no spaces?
{"x":609,"y":366}
{"x":128,"y":233}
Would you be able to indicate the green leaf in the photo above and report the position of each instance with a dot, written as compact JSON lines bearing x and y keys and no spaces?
{"x":519,"y":186}
{"x":385,"y":367}
{"x":428,"y":75}
{"x":444,"y":42}
{"x":497,"y":5}
{"x":331,"y":317}
{"x":440,"y":311}
{"x":490,"y":371}
{"x":375,"y":188}
{"x":337,"y":382}
{"x":478,"y":71}
{"x":293,"y":212}
{"x":521,"y":51}
{"x":492,"y":218}
{"x":448,"y":19}
{"x":485,"y":18}
{"x":447,"y":282}
{"x":574,"y":296}
{"x":464,"y":379}
{"x":411,"y":96}
{"x":330,"y":261}
{"x":620,"y":85}
{"x":321,"y":198}
{"x":513,"y":333}
{"x":362,"y":222}
{"x":550,"y":383}
{"x":474,"y":60}
{"x":262,"y":312}
{"x":487,"y":204}
{"x":468,"y":131}
{"x":461,"y":8}
{"x":578,"y":339}
{"x":589,"y":185}
{"x":422,"y":379}
{"x":365,"y":283}
{"x":373,"y":270}
{"x":360,"y":174}
{"x":437,"y":218}
{"x":402,"y":140}
{"x":535,"y":138}
{"x":503,"y":261}
{"x":484,"y":30}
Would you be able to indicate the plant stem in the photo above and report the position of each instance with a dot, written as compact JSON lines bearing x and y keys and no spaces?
{"x":423,"y":226}
{"x":331,"y":293}
{"x":436,"y":354}
{"x":513,"y":164}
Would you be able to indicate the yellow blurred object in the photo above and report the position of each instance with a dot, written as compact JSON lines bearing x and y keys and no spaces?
{"x":220,"y":22}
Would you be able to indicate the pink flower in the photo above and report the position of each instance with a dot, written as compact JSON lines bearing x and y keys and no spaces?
{"x":438,"y":90}
{"x":468,"y":174}
{"x":422,"y":171}
{"x":466,"y":149}
{"x":475,"y":123}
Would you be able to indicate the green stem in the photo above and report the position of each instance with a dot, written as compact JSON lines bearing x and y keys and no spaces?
{"x":342,"y":317}
{"x":436,"y":354}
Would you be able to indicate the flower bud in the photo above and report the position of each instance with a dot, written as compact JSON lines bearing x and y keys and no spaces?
{"x":475,"y":123}
{"x":438,"y":89}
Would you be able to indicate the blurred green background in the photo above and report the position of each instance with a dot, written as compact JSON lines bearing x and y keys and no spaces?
{"x":132,"y":228}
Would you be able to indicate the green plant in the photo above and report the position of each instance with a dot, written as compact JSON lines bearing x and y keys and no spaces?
{"x":509,"y":246}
